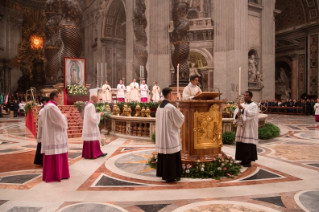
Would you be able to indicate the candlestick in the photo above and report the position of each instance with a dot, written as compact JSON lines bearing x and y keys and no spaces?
{"x":177,"y":81}
{"x":239,"y":84}
{"x":140,"y":71}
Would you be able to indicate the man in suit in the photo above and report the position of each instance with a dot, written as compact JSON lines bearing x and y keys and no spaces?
{"x":15,"y":108}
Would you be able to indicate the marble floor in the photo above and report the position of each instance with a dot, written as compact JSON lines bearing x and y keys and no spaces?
{"x":285,"y":177}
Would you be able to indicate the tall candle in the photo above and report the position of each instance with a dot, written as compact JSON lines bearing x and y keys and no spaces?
{"x":97,"y":75}
{"x":101,"y":79}
{"x":178,"y":82}
{"x":140,"y":71}
{"x":143,"y":71}
{"x":105,"y":73}
{"x":239,"y":84}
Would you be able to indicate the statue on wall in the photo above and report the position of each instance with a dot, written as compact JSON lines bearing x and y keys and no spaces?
{"x":283,"y":76}
{"x":193,"y":71}
{"x":252,"y":70}
{"x":259,"y":80}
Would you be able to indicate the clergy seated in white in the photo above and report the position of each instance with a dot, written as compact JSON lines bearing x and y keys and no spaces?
{"x":120,"y":92}
{"x":316,"y":108}
{"x":156,"y":92}
{"x":106,"y":92}
{"x":168,"y":145}
{"x":38,"y":158}
{"x":191,"y":89}
{"x":144,"y":92}
{"x":91,"y":132}
{"x":54,"y":141}
{"x":246,"y":120}
{"x":134,"y":91}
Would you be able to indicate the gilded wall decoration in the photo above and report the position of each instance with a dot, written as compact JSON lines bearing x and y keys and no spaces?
{"x":33,"y":35}
{"x":208,"y":128}
{"x":313,"y":85}
{"x":301,"y":76}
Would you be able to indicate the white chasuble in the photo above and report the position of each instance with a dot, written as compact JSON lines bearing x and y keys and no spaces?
{"x":54,"y":131}
{"x":91,"y":120}
{"x":144,"y":91}
{"x":120,"y":91}
{"x":156,"y":92}
{"x":134,"y":92}
{"x":107,"y":93}
{"x":169,"y":120}
{"x":190,"y":91}
{"x":316,"y":108}
{"x":248,"y":133}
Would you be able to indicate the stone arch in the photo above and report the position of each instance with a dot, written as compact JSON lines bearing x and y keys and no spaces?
{"x":208,"y":56}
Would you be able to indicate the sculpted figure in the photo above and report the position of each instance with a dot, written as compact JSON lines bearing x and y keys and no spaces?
{"x":252,"y":68}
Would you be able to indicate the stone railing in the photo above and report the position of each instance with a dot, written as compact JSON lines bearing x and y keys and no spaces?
{"x":199,"y":23}
{"x":229,"y":126}
{"x":132,"y":126}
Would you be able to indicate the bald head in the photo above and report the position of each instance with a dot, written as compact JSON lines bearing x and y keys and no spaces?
{"x":94,"y":99}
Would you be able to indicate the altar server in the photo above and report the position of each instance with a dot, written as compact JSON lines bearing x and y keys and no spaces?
{"x":191,"y":89}
{"x":107,"y":92}
{"x":38,"y":158}
{"x":91,"y":132}
{"x":54,"y":140}
{"x":247,"y":130}
{"x":168,"y":144}
{"x":156,"y":92}
{"x":316,"y":108}
{"x":144,"y":92}
{"x":120,"y":92}
{"x":134,"y":91}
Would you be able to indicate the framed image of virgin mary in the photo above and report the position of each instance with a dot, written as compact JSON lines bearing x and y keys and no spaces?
{"x":74,"y":71}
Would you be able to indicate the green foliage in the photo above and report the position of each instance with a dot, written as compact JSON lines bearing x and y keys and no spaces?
{"x":233,"y":106}
{"x":80,"y":105}
{"x":218,"y":168}
{"x":268,"y":131}
{"x":77,"y":90}
{"x":28,"y":106}
{"x":229,"y":137}
{"x":153,"y":137}
{"x":152,"y":163}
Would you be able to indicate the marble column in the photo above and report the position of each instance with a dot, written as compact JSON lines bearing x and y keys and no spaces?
{"x":210,"y":80}
{"x":158,"y":65}
{"x":294,"y":77}
{"x":231,"y":45}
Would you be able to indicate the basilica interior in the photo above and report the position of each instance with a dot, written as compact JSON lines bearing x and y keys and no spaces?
{"x":267,"y":47}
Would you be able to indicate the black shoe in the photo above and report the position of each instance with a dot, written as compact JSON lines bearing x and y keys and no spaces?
{"x":178,"y":179}
{"x":247,"y":164}
{"x":103,"y":155}
{"x":170,"y":181}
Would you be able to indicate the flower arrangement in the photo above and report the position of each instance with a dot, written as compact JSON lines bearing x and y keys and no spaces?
{"x":216,"y":169}
{"x":76,"y":90}
{"x":28,"y":106}
{"x":80,"y":105}
{"x":231,"y":105}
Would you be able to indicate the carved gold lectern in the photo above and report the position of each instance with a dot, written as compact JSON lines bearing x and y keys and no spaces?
{"x":201,"y":133}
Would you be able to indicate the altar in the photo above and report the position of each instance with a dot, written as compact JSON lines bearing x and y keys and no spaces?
{"x":201,"y":133}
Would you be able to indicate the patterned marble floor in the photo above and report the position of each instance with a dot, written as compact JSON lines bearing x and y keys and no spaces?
{"x":285,"y":177}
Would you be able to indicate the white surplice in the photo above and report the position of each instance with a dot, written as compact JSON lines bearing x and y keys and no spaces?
{"x":107,"y":93}
{"x":156,"y":92}
{"x":134,"y":92}
{"x":169,"y":120}
{"x":190,"y":91}
{"x":54,"y":137}
{"x":248,"y":133}
{"x":144,"y":91}
{"x":316,"y":108}
{"x":40,"y":125}
{"x":91,"y":120}
{"x":120,"y":91}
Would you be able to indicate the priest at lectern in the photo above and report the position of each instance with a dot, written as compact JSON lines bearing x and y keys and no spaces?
{"x":107,"y":94}
{"x":191,"y":89}
{"x":168,"y":144}
{"x":134,"y":91}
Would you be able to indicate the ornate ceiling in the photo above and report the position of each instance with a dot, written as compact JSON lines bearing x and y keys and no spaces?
{"x":295,"y":13}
